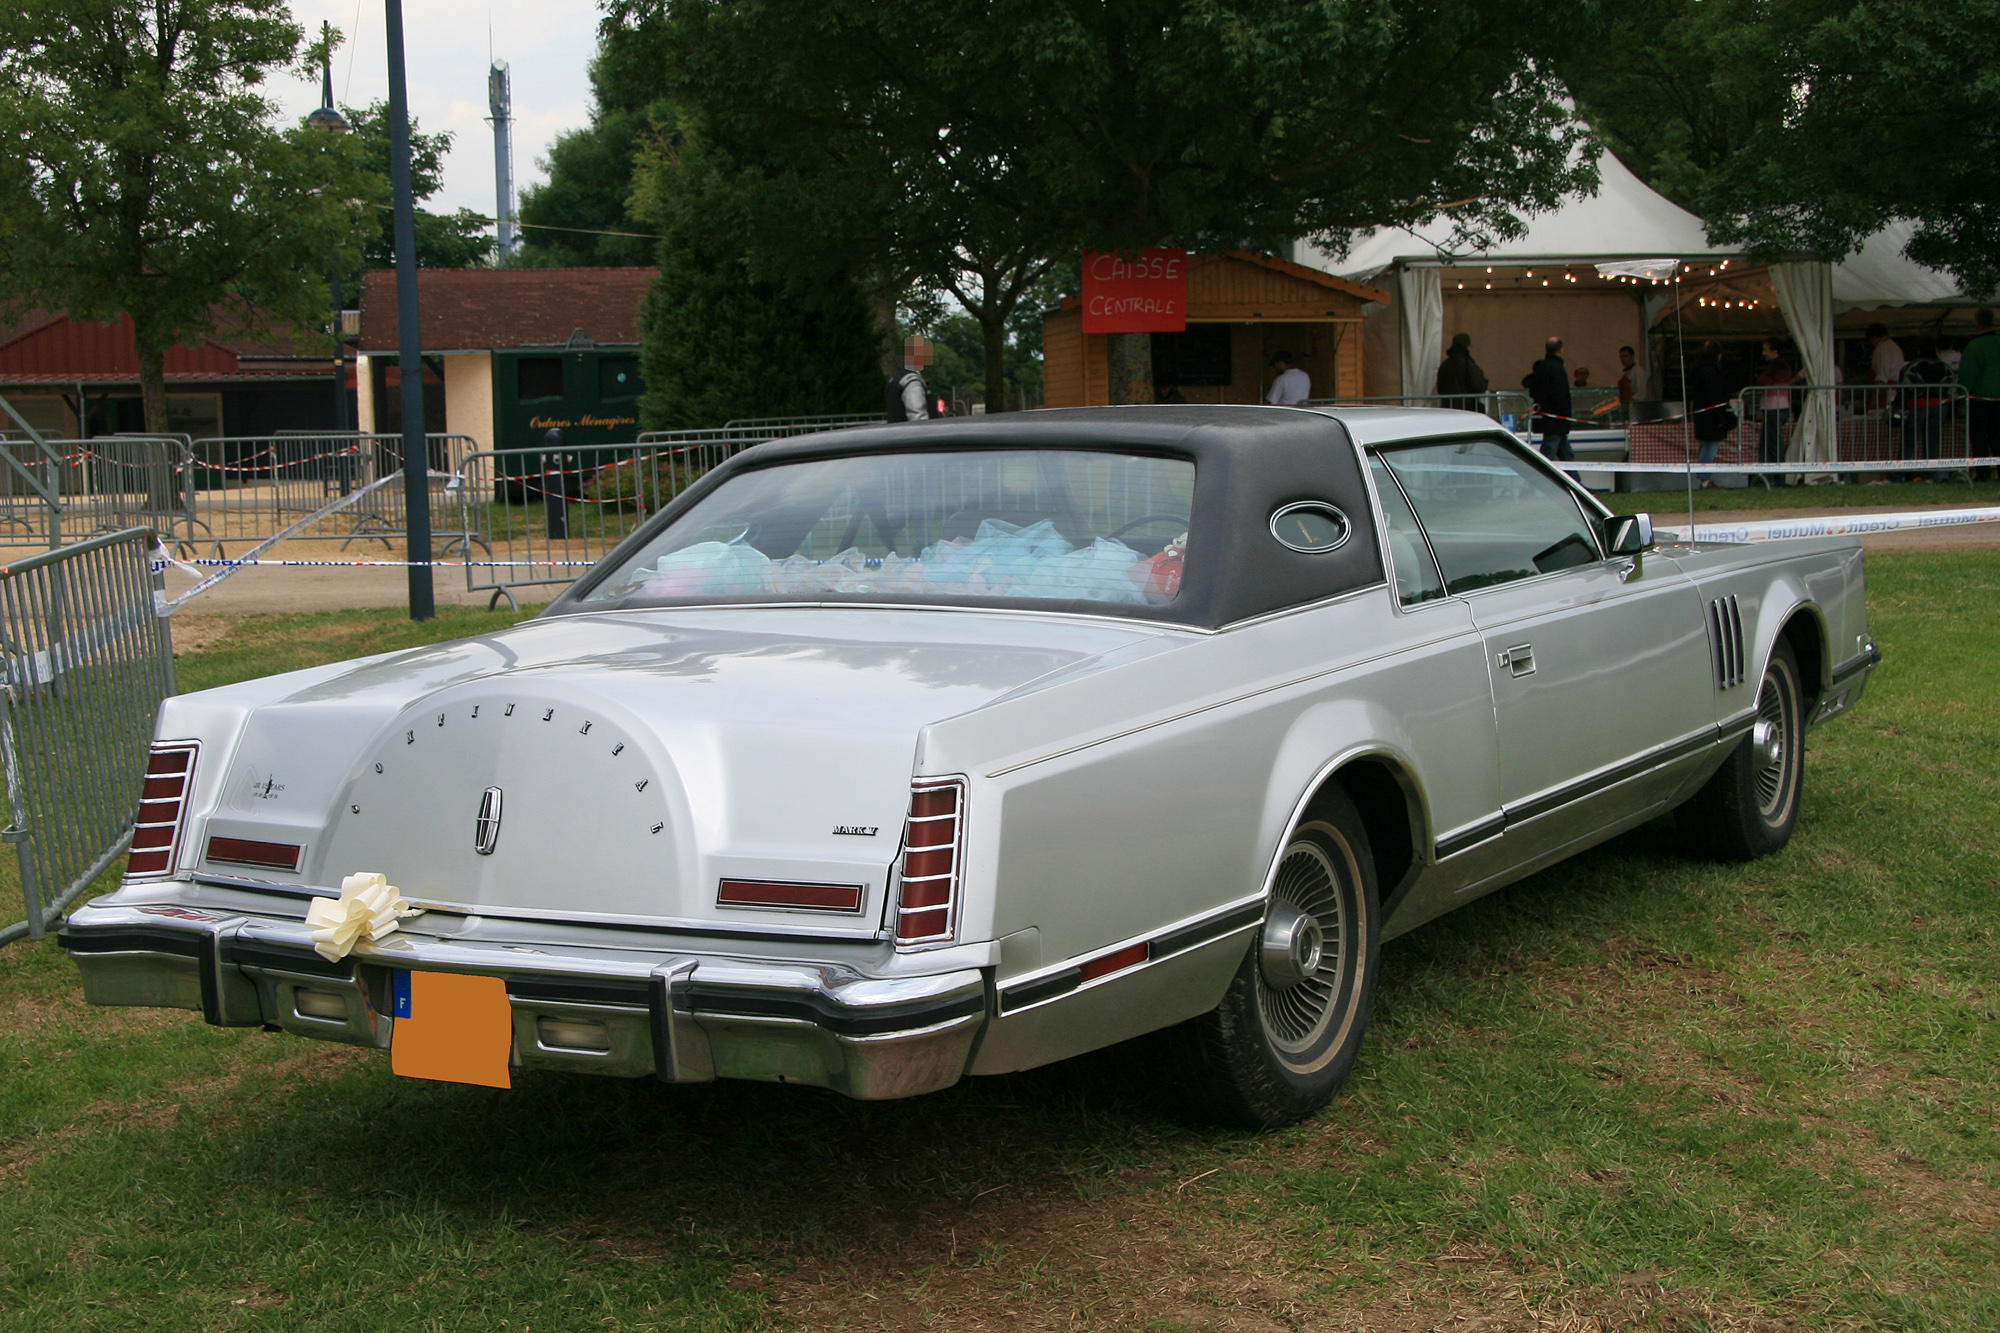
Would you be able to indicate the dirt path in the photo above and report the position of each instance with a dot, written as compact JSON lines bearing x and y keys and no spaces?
{"x":269,"y":588}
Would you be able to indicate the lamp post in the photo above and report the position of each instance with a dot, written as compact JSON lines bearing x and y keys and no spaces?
{"x":416,"y":457}
{"x":329,"y":119}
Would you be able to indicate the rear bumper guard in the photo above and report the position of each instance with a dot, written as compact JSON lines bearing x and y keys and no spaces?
{"x":679,"y":1017}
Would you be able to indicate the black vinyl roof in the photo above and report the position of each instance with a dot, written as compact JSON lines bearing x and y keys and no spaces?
{"x":1249,"y":462}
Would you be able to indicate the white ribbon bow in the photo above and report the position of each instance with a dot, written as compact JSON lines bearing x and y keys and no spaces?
{"x":369,"y":906}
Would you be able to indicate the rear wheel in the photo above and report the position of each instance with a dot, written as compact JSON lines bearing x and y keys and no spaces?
{"x":1750,"y":805}
{"x":1288,"y":1029}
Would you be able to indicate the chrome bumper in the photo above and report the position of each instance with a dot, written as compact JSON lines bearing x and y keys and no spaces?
{"x":680,"y":1017}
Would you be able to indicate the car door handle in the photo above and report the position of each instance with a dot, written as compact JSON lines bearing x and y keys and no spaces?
{"x":1520,"y":659}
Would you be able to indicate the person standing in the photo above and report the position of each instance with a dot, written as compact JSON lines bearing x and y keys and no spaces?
{"x":1708,"y":400}
{"x":1979,"y":373}
{"x":1628,"y":377}
{"x":1924,"y":399}
{"x":907,"y":397}
{"x":1460,"y":381}
{"x":1548,"y":385}
{"x":1292,"y":386}
{"x":1885,"y":359}
{"x":1774,"y":408}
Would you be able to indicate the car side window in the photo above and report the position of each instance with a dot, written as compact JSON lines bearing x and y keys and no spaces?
{"x":1416,"y":573}
{"x":1492,"y":517}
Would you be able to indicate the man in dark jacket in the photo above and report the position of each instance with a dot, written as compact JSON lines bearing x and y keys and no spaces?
{"x":1708,"y":399}
{"x":1548,"y":385}
{"x":1460,"y":381}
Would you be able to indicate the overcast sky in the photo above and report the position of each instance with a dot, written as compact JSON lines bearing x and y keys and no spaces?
{"x":547,"y":43}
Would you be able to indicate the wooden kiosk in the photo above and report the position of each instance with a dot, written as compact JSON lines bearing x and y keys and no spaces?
{"x":1241,"y":308}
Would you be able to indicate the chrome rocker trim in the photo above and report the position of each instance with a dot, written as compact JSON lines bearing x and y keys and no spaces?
{"x":676,"y":1016}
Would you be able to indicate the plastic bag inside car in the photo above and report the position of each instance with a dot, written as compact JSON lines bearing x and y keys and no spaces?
{"x":1002,"y":559}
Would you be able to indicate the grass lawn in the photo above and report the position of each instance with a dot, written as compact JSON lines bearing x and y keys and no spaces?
{"x":1633,"y":1092}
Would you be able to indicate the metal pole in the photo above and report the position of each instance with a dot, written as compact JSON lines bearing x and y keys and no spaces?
{"x":500,"y":100}
{"x":339,"y":356}
{"x":416,"y":457}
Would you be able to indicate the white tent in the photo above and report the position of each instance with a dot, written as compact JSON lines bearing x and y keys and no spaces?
{"x":1626,"y":220}
{"x":1879,"y":274}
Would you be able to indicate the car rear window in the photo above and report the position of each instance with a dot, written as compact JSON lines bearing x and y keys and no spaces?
{"x":1026,"y":525}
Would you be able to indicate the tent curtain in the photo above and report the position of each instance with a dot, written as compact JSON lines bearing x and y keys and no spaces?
{"x":1805,"y":295}
{"x":1420,"y":298}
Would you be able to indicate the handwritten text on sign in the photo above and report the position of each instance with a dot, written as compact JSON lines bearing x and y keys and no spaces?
{"x":1127,"y":294}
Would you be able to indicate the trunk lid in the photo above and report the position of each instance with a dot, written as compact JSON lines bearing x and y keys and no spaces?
{"x":634,"y":760}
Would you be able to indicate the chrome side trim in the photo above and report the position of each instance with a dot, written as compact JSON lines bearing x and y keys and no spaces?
{"x":1866,"y":659}
{"x":1556,"y":798}
{"x":1050,"y":983}
{"x":1537,"y":806}
{"x":1466,"y":838}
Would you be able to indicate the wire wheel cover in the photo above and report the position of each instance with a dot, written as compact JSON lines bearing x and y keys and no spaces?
{"x":1777,"y":707}
{"x":1296,"y":1017}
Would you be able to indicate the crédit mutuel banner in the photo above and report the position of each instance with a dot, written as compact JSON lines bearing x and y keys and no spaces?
{"x":1146,"y":293}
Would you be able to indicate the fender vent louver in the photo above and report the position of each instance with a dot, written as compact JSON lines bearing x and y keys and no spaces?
{"x":1725,"y":636}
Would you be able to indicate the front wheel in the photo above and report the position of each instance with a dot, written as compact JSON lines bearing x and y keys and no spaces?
{"x":1289,"y":1027}
{"x":1748,"y":808}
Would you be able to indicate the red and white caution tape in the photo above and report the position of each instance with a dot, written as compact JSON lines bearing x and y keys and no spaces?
{"x":197,"y":567}
{"x":1884,"y":465}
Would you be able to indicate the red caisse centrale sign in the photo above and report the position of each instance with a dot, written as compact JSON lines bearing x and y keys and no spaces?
{"x":1127,"y":294}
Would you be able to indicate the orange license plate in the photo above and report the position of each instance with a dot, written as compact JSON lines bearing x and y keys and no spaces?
{"x":451,"y":1027}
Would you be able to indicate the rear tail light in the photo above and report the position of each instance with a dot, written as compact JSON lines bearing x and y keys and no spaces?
{"x":933,"y":847}
{"x":162,"y":806}
{"x":788,"y":893}
{"x":265,"y":855}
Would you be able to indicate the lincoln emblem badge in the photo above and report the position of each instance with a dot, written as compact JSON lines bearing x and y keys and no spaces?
{"x":486,"y":828}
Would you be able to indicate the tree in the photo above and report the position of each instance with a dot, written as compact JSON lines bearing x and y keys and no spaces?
{"x":572,"y":217}
{"x":1676,"y":88}
{"x":144,"y":174}
{"x":1802,"y":127}
{"x":1893,"y":112}
{"x":972,"y":143}
{"x":722,"y":340}
{"x":444,"y":240}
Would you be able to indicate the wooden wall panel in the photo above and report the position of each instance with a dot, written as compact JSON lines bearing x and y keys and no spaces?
{"x":1267,"y":309}
{"x":1349,"y":380}
{"x":1096,"y":370}
{"x":1062,"y":359}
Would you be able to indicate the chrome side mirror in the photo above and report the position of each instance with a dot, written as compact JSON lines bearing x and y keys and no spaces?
{"x":1628,"y":534}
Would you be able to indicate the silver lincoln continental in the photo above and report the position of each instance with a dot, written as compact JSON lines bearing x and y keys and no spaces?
{"x":884,"y":757}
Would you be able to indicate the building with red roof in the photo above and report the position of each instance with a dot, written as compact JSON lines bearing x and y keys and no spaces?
{"x":511,"y":353}
{"x":72,"y":379}
{"x":508,"y":355}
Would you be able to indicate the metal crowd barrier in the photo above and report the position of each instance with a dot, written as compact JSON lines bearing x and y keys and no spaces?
{"x":763,"y":428}
{"x":771,"y":428}
{"x":1908,"y":424}
{"x":544,"y":516}
{"x":202,"y":495}
{"x":1500,"y":404}
{"x":248,"y":488}
{"x":85,"y":660}
{"x":53,"y":491}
